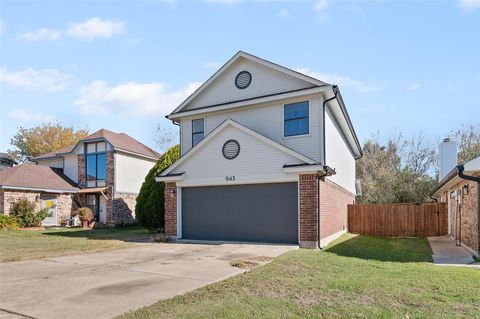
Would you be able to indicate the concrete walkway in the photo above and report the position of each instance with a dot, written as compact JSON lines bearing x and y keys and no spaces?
{"x":445,"y":253}
{"x":107,"y":284}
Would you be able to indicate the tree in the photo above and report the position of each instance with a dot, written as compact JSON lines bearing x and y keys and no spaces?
{"x":468,"y":139}
{"x":150,"y":210}
{"x":398,"y":172}
{"x":47,"y":137}
{"x":165,"y":138}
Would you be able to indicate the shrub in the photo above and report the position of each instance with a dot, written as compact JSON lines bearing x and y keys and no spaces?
{"x":8,"y":222}
{"x":24,"y":211}
{"x":150,"y":211}
{"x":85,"y":213}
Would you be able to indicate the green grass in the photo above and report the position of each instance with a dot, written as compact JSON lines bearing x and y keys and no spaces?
{"x":355,"y":277}
{"x":21,"y":244}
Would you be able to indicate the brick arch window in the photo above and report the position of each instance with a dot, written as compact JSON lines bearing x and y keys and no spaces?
{"x":96,"y":164}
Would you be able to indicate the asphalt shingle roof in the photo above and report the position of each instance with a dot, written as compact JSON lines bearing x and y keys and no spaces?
{"x":120,"y":141}
{"x":36,"y":176}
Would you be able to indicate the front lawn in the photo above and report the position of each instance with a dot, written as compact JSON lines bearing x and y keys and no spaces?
{"x":355,"y":277}
{"x":21,"y":244}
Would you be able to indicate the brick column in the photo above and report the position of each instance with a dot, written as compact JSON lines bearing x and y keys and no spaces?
{"x":308,"y":191}
{"x":170,"y":195}
{"x":82,"y":174}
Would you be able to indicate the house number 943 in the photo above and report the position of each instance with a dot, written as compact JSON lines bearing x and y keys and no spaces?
{"x":230,"y":178}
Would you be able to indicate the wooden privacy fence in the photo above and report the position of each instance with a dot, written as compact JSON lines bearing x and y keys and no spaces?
{"x":394,"y":220}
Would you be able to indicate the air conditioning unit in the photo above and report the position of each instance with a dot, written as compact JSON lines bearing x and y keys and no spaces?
{"x":74,"y":222}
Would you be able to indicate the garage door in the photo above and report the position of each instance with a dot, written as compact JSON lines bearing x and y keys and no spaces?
{"x":255,"y":213}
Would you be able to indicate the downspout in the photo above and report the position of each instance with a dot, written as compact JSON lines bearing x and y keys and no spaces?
{"x":461,"y":169}
{"x":324,"y":163}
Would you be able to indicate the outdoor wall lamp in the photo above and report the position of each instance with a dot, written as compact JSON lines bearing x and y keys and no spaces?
{"x":465,"y":189}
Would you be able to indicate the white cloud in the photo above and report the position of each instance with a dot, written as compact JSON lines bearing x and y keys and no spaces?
{"x":95,"y":28}
{"x":46,"y":80}
{"x":413,"y":87}
{"x":285,"y":14}
{"x":134,"y":99}
{"x":28,"y":115}
{"x":211,"y":65}
{"x":40,"y":34}
{"x":469,"y":5}
{"x":321,"y":5}
{"x":342,"y":81}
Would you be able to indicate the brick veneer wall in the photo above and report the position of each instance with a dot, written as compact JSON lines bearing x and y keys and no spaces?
{"x":10,"y":197}
{"x":170,"y":195}
{"x":124,"y":210}
{"x":469,"y":213}
{"x":65,"y":203}
{"x":308,"y":190}
{"x":333,"y":208}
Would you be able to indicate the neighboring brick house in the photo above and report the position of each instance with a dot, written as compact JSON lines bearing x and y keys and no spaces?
{"x":267,"y":155}
{"x":459,"y":188}
{"x":105,"y":171}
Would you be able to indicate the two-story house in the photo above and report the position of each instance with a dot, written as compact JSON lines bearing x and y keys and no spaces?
{"x":267,"y":155}
{"x":103,"y":171}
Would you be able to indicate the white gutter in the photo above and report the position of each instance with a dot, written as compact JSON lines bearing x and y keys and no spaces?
{"x":304,"y":169}
{"x":172,"y":178}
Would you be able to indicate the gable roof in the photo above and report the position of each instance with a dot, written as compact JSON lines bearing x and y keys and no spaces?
{"x":36,"y":177}
{"x":119,"y":141}
{"x":241,"y":54}
{"x":254,"y":134}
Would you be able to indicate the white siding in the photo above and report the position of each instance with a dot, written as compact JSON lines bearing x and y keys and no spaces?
{"x":130,"y":172}
{"x":71,"y":167}
{"x":264,"y":81}
{"x":266,"y":119}
{"x":339,"y":157}
{"x":56,"y":162}
{"x":257,"y":162}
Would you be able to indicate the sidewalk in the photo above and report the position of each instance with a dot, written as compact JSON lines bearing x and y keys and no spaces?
{"x":445,"y":253}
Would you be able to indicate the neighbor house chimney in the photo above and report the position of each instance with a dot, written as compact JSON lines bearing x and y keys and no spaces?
{"x":448,"y":156}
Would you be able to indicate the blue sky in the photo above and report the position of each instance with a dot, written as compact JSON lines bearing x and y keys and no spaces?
{"x":401,"y":66}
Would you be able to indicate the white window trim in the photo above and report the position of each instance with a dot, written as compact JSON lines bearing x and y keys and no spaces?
{"x":309,"y":120}
{"x":191,"y":130}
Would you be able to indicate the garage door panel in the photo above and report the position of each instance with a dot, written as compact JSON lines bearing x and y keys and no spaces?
{"x":258,"y":213}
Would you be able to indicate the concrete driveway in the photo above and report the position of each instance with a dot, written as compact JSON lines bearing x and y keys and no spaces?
{"x":107,"y":284}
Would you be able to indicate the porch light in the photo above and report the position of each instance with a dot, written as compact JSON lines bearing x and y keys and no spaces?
{"x":465,"y":189}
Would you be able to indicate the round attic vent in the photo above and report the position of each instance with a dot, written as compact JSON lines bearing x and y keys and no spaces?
{"x":243,"y":79}
{"x":231,"y":149}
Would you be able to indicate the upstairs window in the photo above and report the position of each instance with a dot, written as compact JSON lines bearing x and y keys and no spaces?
{"x":295,"y":118}
{"x":96,"y":164}
{"x":198,"y":129}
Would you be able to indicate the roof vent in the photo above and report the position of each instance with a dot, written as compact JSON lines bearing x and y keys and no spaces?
{"x":231,"y":149}
{"x":243,"y":79}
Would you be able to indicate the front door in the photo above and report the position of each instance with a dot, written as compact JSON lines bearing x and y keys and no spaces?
{"x":50,"y":202}
{"x":92,"y":203}
{"x":103,"y":210}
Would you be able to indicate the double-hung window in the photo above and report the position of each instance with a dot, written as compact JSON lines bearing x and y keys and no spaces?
{"x":96,"y":164}
{"x":295,"y":116}
{"x":198,"y":129}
